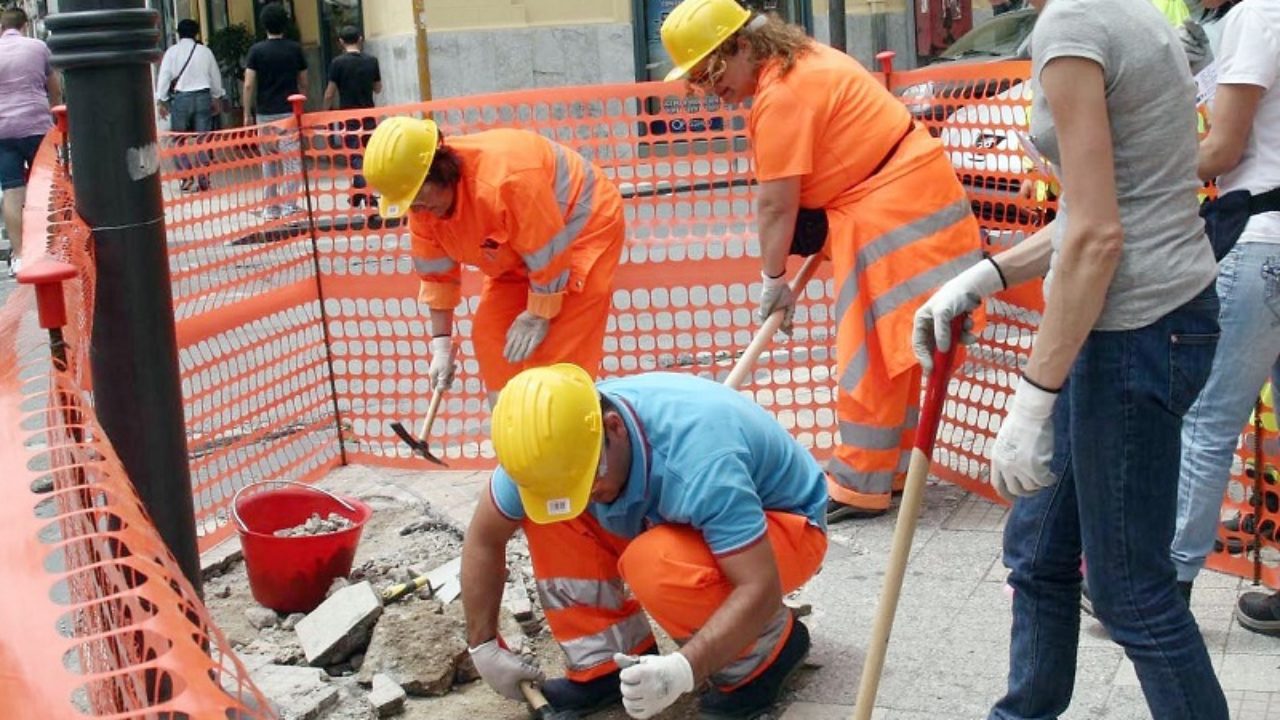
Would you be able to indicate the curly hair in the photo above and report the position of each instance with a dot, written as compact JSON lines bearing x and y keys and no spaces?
{"x":769,"y":36}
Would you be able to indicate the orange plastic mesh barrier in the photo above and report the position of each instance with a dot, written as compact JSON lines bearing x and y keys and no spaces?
{"x":98,"y":619}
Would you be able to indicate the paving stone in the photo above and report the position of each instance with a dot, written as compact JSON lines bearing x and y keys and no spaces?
{"x":386,"y":696}
{"x":340,"y":626}
{"x":417,"y":648}
{"x":298,"y":693}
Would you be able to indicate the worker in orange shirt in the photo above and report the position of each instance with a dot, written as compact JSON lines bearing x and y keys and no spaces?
{"x":829,"y":141}
{"x":544,"y":226}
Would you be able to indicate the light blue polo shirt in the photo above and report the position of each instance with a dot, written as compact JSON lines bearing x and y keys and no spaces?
{"x":702,"y":455}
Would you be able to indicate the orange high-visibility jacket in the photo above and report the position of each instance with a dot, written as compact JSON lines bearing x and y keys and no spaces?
{"x":525,"y":205}
{"x":860,"y":157}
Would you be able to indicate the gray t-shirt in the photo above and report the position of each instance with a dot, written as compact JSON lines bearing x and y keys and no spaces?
{"x":1151,"y":105}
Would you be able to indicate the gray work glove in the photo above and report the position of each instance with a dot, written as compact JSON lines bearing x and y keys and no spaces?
{"x":442,"y":365}
{"x":503,"y":670}
{"x":524,"y":336}
{"x":1196,"y":45}
{"x":775,"y":295}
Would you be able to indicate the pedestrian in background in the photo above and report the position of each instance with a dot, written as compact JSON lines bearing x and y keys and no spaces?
{"x":354,"y":78}
{"x":1089,"y":448}
{"x":189,"y":92}
{"x":1242,"y":150}
{"x":28,"y":89}
{"x":274,"y":70}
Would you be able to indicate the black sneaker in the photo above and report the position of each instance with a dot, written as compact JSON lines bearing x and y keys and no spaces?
{"x":757,"y":697}
{"x":837,"y":511}
{"x":1259,"y":612}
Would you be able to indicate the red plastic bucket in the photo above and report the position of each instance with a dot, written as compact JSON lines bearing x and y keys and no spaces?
{"x":292,"y":574}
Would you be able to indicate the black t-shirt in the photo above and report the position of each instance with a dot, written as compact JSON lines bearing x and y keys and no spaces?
{"x":354,"y":73}
{"x":277,"y":61}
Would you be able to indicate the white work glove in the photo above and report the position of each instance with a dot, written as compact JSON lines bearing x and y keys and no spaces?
{"x":524,"y":336}
{"x":650,"y":683}
{"x":502,"y":669}
{"x":1023,"y":448}
{"x":442,"y":365}
{"x":958,"y":296}
{"x":776,"y":294}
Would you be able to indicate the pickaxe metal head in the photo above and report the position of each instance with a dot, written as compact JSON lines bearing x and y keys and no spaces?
{"x":418,"y":446}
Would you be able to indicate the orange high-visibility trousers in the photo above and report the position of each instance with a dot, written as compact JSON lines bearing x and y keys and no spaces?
{"x":890,"y":249}
{"x":576,"y":334}
{"x":580,"y":570}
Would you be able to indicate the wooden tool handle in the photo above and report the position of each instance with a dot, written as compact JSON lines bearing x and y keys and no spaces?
{"x":436,"y":396}
{"x":533,"y":695}
{"x":743,"y":367}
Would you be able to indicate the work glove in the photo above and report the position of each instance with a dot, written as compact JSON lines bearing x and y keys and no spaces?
{"x":1195,"y":43}
{"x":524,"y":336}
{"x":650,"y":683}
{"x":776,"y":294}
{"x":442,"y":365}
{"x":960,"y":295}
{"x":502,"y":669}
{"x":1023,"y":448}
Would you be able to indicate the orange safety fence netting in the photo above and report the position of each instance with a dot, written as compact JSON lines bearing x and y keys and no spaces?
{"x":98,"y":619}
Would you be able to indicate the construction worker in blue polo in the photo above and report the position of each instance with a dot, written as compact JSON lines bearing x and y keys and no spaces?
{"x":674,"y":488}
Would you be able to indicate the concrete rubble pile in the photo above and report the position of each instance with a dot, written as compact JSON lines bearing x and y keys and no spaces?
{"x":358,"y":657}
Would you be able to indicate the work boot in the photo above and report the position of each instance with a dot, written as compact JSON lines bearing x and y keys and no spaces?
{"x":1259,"y":612}
{"x":837,"y":511}
{"x":587,"y":697}
{"x":758,"y":696}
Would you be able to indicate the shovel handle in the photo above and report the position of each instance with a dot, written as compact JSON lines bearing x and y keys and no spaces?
{"x":533,"y":696}
{"x":770,"y":326}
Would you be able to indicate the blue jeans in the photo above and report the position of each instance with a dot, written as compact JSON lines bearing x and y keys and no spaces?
{"x":1249,"y":285}
{"x":192,"y":112}
{"x":1117,"y":426}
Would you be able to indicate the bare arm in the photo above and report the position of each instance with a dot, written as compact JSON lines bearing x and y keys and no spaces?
{"x":250,"y":95}
{"x":330,"y":96}
{"x":1094,"y":241}
{"x":756,"y":597}
{"x":777,"y":202}
{"x":377,"y":86}
{"x":54,"y":85}
{"x":1234,"y":108}
{"x":484,"y":566}
{"x":302,"y":81}
{"x":1028,"y":259}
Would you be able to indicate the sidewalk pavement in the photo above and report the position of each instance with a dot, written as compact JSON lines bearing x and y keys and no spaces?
{"x":948,"y":655}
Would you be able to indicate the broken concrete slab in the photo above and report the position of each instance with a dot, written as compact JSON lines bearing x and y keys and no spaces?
{"x":386,"y":696}
{"x":219,"y":558}
{"x":340,"y":626}
{"x":298,"y":693}
{"x":261,"y":617}
{"x":515,"y":596}
{"x":416,"y":648}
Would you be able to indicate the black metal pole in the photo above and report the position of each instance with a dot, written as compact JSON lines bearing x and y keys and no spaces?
{"x":106,"y":48}
{"x":835,"y":18}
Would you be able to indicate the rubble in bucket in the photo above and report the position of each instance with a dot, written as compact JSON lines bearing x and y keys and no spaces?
{"x":388,"y":638}
{"x":316,"y":525}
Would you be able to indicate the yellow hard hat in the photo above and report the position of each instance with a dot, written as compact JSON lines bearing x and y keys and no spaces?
{"x":397,"y":160}
{"x":695,"y":28}
{"x":547,"y":433}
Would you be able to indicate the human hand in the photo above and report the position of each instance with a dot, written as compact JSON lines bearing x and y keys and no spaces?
{"x":524,"y":336}
{"x":163,"y":109}
{"x":442,"y":366}
{"x":958,"y":296}
{"x":650,"y":683}
{"x":775,"y":295}
{"x":503,"y":670}
{"x":1023,"y":449}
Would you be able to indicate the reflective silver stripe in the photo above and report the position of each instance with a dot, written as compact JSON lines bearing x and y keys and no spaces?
{"x":575,"y":220}
{"x":623,"y":636}
{"x":558,"y":283}
{"x":913,"y":418}
{"x":895,"y":240}
{"x":892,"y":300}
{"x":740,"y":669}
{"x":904,"y":462}
{"x":565,"y":593}
{"x":878,"y":482}
{"x":869,"y":437}
{"x":439,"y":266}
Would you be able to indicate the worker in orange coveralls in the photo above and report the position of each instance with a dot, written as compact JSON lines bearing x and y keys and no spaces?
{"x":658,"y":494}
{"x":544,"y":226}
{"x":840,"y":163}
